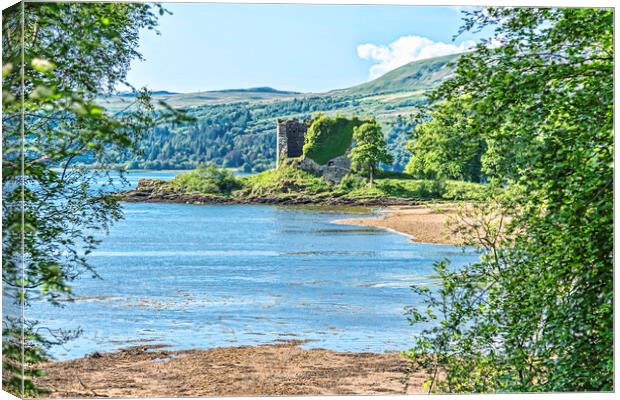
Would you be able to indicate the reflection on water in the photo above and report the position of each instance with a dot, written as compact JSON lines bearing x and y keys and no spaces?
{"x":203,"y":276}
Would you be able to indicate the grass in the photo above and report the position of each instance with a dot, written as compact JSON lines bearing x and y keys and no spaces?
{"x":284,"y":180}
{"x":197,"y":99}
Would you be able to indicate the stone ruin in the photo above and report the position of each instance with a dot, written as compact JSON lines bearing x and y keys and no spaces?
{"x":291,"y":134}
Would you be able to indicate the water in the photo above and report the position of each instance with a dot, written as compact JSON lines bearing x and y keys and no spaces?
{"x":193,"y":276}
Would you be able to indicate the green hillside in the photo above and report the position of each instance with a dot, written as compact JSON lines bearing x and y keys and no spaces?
{"x":236,"y":128}
{"x":417,"y":75}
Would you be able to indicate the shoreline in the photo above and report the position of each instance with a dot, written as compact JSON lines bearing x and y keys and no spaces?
{"x":152,"y":191}
{"x":202,"y":199}
{"x":260,"y":370}
{"x":420,"y":223}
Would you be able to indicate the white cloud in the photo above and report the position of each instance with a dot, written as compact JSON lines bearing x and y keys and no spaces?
{"x":404,"y":50}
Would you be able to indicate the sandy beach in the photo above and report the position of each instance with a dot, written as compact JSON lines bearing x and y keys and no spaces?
{"x":274,"y":369}
{"x":423,"y":223}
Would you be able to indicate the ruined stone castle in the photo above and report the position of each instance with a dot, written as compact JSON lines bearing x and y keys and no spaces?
{"x":290,"y":138}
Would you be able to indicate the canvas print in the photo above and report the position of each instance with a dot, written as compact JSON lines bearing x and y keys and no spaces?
{"x":205,"y":199}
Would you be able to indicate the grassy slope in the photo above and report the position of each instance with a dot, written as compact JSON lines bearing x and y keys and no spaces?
{"x":417,"y":75}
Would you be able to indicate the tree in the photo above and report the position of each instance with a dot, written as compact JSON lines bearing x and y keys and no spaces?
{"x":449,"y":145}
{"x":369,"y":149}
{"x":536,"y":313}
{"x":58,"y":62}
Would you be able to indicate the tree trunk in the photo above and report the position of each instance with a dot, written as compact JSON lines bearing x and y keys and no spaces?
{"x":371,"y":173}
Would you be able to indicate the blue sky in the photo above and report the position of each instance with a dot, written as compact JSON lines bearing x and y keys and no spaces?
{"x":306,"y":48}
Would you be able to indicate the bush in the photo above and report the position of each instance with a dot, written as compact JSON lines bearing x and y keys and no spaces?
{"x":427,"y":189}
{"x":415,"y":189}
{"x":208,"y":179}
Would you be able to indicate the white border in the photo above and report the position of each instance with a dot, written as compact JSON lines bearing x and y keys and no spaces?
{"x":512,"y":3}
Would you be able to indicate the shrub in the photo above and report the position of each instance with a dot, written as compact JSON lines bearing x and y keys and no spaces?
{"x":208,"y":179}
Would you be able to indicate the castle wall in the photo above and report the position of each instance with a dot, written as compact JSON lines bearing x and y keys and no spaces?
{"x":290,"y":138}
{"x":333,"y":171}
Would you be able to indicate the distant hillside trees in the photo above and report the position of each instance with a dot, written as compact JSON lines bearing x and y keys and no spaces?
{"x":235,"y":135}
{"x":399,"y":132}
{"x":241,"y":134}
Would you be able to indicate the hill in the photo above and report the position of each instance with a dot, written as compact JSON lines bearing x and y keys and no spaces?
{"x":197,"y":99}
{"x":415,"y":76}
{"x":236,"y":127}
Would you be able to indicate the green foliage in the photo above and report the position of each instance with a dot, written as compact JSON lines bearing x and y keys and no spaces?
{"x":12,"y":345}
{"x":450,"y":145}
{"x":352,"y":182}
{"x":208,"y":179}
{"x":421,"y":189}
{"x":369,"y":150}
{"x":72,"y":52}
{"x":290,"y":182}
{"x":536,"y":313}
{"x":329,"y":137}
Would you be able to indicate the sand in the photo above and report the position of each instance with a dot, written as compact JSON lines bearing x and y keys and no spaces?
{"x":424,"y":224}
{"x":274,"y":369}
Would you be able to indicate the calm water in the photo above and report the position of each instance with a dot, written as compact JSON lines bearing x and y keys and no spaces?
{"x":203,"y":276}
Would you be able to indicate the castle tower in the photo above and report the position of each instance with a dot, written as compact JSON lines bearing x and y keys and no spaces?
{"x":290,"y":136}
